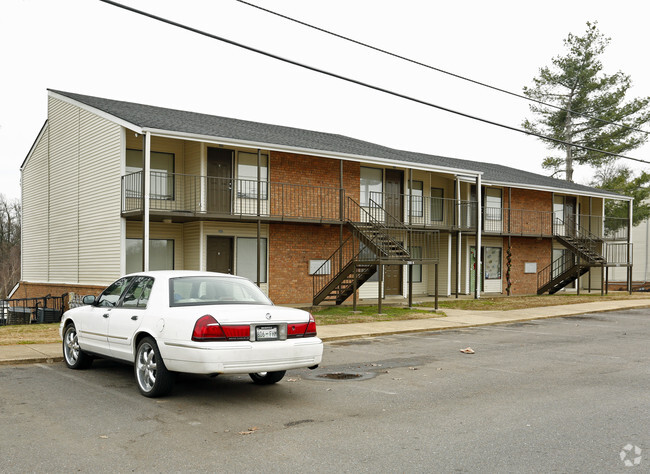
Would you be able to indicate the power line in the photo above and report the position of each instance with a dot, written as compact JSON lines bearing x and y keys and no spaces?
{"x":428,"y":66}
{"x":361,"y":83}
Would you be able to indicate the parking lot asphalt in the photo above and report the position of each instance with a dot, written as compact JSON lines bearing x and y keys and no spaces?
{"x":454,"y":319}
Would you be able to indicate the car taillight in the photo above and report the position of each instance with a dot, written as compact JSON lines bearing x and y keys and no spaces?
{"x":311,"y":327}
{"x":208,"y":329}
{"x":302,"y":329}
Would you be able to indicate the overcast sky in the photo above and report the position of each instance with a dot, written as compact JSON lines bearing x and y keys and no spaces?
{"x":89,"y":47}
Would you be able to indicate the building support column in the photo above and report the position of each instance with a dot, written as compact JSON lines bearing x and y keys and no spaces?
{"x":589,"y":273}
{"x":380,"y":269}
{"x":458,"y":238}
{"x":355,"y":284}
{"x":341,"y":216}
{"x":458,"y":262}
{"x":436,"y":289}
{"x":146,"y":193}
{"x":602,"y":279}
{"x":479,"y":230}
{"x":410,"y":266}
{"x":629,"y":246}
{"x":259,"y":221}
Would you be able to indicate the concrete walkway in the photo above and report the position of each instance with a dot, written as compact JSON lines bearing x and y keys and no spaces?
{"x":455,"y":319}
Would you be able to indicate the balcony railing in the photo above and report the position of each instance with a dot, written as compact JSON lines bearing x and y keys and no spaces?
{"x":205,"y":195}
{"x":202,"y":196}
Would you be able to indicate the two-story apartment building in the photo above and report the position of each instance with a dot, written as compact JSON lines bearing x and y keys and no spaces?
{"x":309,"y":216}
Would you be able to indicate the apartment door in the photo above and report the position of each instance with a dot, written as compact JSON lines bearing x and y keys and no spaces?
{"x":220,"y":254}
{"x":219,"y":181}
{"x":570,"y":207}
{"x":394,"y":193}
{"x":392,"y":280}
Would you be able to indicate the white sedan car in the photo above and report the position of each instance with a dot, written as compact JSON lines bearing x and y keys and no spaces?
{"x":195,"y":322}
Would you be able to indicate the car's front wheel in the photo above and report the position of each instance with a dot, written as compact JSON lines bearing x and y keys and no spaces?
{"x":74,"y":357}
{"x":267,"y":378}
{"x":154,"y":380}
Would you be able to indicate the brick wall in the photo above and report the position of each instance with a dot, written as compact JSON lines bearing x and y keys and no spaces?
{"x":526,"y":250}
{"x":291,"y":246}
{"x":306,"y":186}
{"x":37,"y":290}
{"x":531,"y":211}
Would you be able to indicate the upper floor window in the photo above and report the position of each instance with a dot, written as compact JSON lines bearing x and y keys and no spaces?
{"x":437,"y":204}
{"x":493,"y":204}
{"x":416,"y":199}
{"x":162,"y":173}
{"x":372,"y":186}
{"x":247,"y":174}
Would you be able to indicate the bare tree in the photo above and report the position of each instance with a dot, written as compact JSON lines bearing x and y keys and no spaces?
{"x":10,"y":212}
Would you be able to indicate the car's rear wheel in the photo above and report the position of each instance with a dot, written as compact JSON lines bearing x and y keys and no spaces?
{"x":267,"y":378}
{"x":154,"y":380}
{"x":74,"y":357}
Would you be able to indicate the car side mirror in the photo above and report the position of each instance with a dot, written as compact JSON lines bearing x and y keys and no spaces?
{"x":88,"y":300}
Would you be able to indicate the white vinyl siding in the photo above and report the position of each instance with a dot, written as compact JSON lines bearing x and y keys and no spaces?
{"x":192,"y":246}
{"x":72,"y":189}
{"x":99,"y":203}
{"x":35,"y":190}
{"x":64,"y":120}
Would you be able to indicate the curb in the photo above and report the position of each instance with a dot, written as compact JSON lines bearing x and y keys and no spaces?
{"x":34,"y":360}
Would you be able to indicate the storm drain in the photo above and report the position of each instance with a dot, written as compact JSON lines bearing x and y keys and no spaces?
{"x":339,"y":376}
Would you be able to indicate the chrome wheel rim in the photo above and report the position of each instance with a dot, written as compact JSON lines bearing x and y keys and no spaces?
{"x":71,"y":346}
{"x":146,"y":367}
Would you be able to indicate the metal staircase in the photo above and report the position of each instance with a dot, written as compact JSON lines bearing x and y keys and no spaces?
{"x":586,"y":251}
{"x":373,"y":241}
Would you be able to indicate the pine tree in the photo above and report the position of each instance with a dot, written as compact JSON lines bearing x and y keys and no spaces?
{"x":575,"y":82}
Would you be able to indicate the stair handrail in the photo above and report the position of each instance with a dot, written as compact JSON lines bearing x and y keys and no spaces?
{"x":582,"y":235}
{"x":377,"y":224}
{"x":558,"y":264}
{"x":332,"y":263}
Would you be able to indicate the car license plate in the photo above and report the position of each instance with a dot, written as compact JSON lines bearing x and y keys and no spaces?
{"x":266,"y":333}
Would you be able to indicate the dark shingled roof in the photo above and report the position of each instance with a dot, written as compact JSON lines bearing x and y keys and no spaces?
{"x":151,"y":117}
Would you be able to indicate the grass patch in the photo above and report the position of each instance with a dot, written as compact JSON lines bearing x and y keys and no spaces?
{"x":29,"y":334}
{"x":534,"y":301}
{"x":367,"y":314}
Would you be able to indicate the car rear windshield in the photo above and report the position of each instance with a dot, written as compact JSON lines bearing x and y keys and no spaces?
{"x":202,"y":290}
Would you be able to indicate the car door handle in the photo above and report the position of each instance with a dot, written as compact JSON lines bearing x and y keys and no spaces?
{"x":105,"y":315}
{"x":134,"y":318}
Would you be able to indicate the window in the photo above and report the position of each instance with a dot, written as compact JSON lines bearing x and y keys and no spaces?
{"x":416,"y":198}
{"x":416,"y":253}
{"x":372,"y":185}
{"x":437,"y":204}
{"x":207,"y":290}
{"x":111,"y":295}
{"x":162,"y":173}
{"x":161,"y":255}
{"x":247,"y":258}
{"x":492,"y":263}
{"x":247,"y":174}
{"x":138,"y":293}
{"x":493,"y":204}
